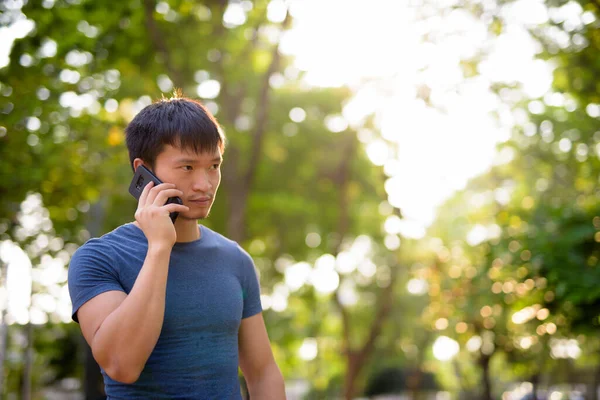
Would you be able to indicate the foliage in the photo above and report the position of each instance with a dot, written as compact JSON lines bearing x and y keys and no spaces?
{"x":88,"y":69}
{"x":509,"y":266}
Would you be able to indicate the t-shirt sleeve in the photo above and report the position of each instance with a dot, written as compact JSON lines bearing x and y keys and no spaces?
{"x":250,"y":286}
{"x":92,"y":271}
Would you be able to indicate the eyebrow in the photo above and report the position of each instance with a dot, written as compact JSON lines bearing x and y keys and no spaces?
{"x":193,"y":161}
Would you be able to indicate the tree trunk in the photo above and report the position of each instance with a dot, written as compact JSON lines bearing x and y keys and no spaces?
{"x":160,"y":47}
{"x":236,"y":220}
{"x":460,"y":378}
{"x":3,"y":330}
{"x":486,"y":385}
{"x":93,"y":383}
{"x":241,"y":180}
{"x":414,"y":383}
{"x":535,"y":382}
{"x":356,"y":358}
{"x":352,"y":370}
{"x":28,"y":367}
{"x":593,"y":395}
{"x":415,"y":380}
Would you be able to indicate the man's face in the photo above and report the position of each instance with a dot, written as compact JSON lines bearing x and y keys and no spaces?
{"x":197,"y":175}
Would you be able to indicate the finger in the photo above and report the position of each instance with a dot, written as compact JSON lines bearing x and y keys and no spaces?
{"x":164,"y":195}
{"x":156,"y":190}
{"x":176,"y":208}
{"x":144,"y":195}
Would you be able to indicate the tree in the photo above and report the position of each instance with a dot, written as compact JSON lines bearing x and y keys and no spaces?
{"x":88,"y":70}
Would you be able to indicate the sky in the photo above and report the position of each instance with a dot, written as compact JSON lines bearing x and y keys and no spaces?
{"x":428,"y":150}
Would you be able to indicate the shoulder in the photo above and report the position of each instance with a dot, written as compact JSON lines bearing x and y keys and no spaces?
{"x":92,"y":261}
{"x":94,"y":248}
{"x":101,"y":250}
{"x":228,"y":245}
{"x":217,"y":239}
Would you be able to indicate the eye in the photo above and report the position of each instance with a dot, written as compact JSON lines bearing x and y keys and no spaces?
{"x":216,"y":166}
{"x":187,"y":167}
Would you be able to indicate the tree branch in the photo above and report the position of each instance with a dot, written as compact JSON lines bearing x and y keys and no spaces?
{"x":345,"y":324}
{"x":238,"y":183}
{"x":159,"y":44}
{"x":341,"y":178}
{"x":218,"y":35}
{"x":231,"y":102}
{"x":384,"y":308}
{"x":262,"y":110}
{"x":234,"y":102}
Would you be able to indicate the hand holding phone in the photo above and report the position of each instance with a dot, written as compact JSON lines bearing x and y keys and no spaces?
{"x":141,"y":178}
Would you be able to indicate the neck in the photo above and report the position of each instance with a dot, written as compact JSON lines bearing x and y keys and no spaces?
{"x":187,"y":230}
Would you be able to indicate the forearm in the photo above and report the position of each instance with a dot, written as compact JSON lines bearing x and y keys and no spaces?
{"x":268,"y":386}
{"x":126,"y":338}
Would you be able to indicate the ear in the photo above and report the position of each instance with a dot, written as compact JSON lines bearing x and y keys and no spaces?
{"x":137,"y":162}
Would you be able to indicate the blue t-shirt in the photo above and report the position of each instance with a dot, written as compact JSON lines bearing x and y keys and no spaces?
{"x":211,"y":286}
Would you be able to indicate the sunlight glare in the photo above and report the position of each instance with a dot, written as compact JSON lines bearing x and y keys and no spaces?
{"x":346,"y":262}
{"x":265,"y":301}
{"x":276,"y":11}
{"x":477,"y":235}
{"x":441,"y":120}
{"x":367,"y":268}
{"x":323,"y":277}
{"x":565,"y":348}
{"x":378,"y":152}
{"x":297,"y":114}
{"x":297,"y":275}
{"x":392,"y":242}
{"x":347,"y":293}
{"x":392,"y":225}
{"x":18,"y":30}
{"x":364,"y":103}
{"x":445,"y":348}
{"x":18,"y":281}
{"x":417,"y":286}
{"x":279,"y":298}
{"x":234,"y":15}
{"x":309,"y":349}
{"x":336,"y":123}
{"x":474,"y":343}
{"x":209,"y":89}
{"x":351,"y":52}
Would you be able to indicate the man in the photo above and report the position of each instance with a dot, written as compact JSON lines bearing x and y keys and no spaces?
{"x":171,"y":309}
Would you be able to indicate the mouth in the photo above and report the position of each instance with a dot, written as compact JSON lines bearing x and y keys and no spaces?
{"x":201,"y":201}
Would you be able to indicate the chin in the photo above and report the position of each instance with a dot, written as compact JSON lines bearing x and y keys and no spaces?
{"x":195,"y":216}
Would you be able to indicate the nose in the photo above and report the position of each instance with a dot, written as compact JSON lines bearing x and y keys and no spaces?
{"x":202,"y":182}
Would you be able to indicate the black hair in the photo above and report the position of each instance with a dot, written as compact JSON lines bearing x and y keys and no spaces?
{"x":178,"y":121}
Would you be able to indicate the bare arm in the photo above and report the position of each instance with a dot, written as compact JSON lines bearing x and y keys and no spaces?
{"x":123,"y":340}
{"x":262,"y":374}
{"x":121,"y":329}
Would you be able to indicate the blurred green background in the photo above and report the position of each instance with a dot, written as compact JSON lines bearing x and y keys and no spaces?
{"x":417,"y":182}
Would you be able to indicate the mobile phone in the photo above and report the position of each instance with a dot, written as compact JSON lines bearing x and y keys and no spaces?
{"x":141,"y":178}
